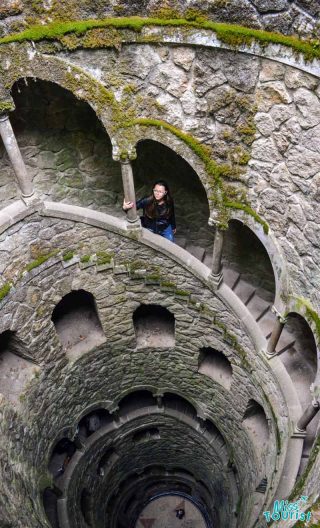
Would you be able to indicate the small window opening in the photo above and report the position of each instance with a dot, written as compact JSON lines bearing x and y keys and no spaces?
{"x":154,"y":326}
{"x":61,"y":456}
{"x":77,"y":323}
{"x":216,"y":366}
{"x":256,"y":424}
{"x":93,"y":421}
{"x":15,"y":370}
{"x":146,"y":435}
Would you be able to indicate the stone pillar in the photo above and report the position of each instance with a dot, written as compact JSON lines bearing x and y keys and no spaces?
{"x":128,"y":189}
{"x":276,"y":333}
{"x":307,"y":416}
{"x":15,"y":157}
{"x":216,"y":276}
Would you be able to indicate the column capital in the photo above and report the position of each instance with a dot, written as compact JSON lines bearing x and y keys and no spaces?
{"x":124,"y":156}
{"x":282,"y":318}
{"x":4,"y":117}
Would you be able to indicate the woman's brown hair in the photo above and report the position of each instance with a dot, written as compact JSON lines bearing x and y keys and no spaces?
{"x":151,"y":207}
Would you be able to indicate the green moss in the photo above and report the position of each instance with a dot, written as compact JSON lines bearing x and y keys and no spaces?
{"x":104,"y":258}
{"x":168,"y":284}
{"x":85,"y":258}
{"x":6,"y":106}
{"x":231,"y":34}
{"x":249,"y":211}
{"x":40,"y":260}
{"x":4,"y":290}
{"x":67,"y":256}
{"x":311,"y":314}
{"x":182,"y":293}
{"x":299,"y":487}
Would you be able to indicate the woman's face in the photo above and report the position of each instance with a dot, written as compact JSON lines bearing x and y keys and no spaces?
{"x":159,"y":192}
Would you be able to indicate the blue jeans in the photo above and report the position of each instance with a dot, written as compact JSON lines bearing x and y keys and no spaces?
{"x":166,"y":233}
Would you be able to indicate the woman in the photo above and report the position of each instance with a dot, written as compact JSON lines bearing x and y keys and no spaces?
{"x":158,"y":211}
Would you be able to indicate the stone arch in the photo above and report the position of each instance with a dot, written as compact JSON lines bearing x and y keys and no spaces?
{"x":248,"y":271}
{"x":216,"y":366}
{"x":93,"y":421}
{"x":256,"y":424}
{"x":136,"y":400}
{"x":154,"y":326}
{"x":156,"y":160}
{"x":61,"y":455}
{"x":16,"y":369}
{"x":65,"y":146}
{"x":77,"y":323}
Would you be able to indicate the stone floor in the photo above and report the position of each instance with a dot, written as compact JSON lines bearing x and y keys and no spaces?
{"x":161,"y":513}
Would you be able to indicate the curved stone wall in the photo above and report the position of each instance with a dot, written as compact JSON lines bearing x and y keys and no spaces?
{"x":235,"y":135}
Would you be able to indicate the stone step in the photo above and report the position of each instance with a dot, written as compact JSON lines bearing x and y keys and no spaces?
{"x":258,"y":306}
{"x":181,"y":241}
{"x":285,"y":342}
{"x":196,"y":251}
{"x":244,"y":290}
{"x":230,"y":276}
{"x":267,"y":323}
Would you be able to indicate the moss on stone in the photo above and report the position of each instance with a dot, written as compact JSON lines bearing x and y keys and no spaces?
{"x":68,"y":255}
{"x":298,"y":488}
{"x":103,"y":257}
{"x":6,"y":106}
{"x":247,"y":209}
{"x":232,"y":34}
{"x":85,"y":258}
{"x":4,"y":290}
{"x":40,"y":260}
{"x":311,"y":314}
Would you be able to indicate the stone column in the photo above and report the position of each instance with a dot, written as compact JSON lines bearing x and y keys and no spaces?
{"x":216,"y":276}
{"x":276,"y":333}
{"x":307,"y":416}
{"x":128,"y":189}
{"x":15,"y":157}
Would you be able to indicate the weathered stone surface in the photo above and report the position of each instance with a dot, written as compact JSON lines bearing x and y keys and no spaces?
{"x":271,"y":71}
{"x":270,"y":94}
{"x":264,"y":149}
{"x":264,"y":123}
{"x":309,"y":107}
{"x":170,"y":78}
{"x":183,"y":57}
{"x":302,"y":161}
{"x":297,"y":79}
{"x":264,"y":6}
{"x":281,"y":113}
{"x":241,"y":72}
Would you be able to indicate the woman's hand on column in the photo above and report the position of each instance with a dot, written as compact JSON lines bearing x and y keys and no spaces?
{"x":127,"y":205}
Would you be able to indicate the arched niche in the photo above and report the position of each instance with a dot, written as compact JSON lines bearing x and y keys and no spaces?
{"x":86,"y":505}
{"x":50,"y":498}
{"x":65,"y":147}
{"x":216,"y":366}
{"x":297,"y":350}
{"x":145,"y":435}
{"x":154,"y":326}
{"x":108,"y":458}
{"x":135,"y":401}
{"x":255,"y":422}
{"x":15,"y":370}
{"x":61,"y":455}
{"x":157,"y":161}
{"x":178,"y":403}
{"x":247,"y":267}
{"x":77,"y":323}
{"x":93,"y":421}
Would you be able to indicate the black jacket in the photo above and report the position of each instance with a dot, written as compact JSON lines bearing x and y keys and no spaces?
{"x":161,"y":221}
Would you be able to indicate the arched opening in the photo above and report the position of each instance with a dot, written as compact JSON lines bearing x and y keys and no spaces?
{"x":136,"y":400}
{"x":297,"y":350}
{"x":65,"y":147}
{"x":93,"y":421}
{"x":50,"y":498}
{"x":177,"y":403}
{"x":157,"y":161}
{"x":77,"y":323}
{"x":216,"y":366}
{"x":15,"y":370}
{"x":154,"y":326}
{"x":85,"y":505}
{"x":247,"y":269}
{"x":145,"y":435}
{"x":106,"y":461}
{"x":61,"y":455}
{"x":255,"y":422}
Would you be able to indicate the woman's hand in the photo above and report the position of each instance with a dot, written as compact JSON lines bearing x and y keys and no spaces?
{"x":127,"y":205}
{"x":174,"y":231}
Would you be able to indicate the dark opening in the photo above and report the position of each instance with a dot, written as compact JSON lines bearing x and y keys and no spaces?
{"x":177,"y":403}
{"x":61,"y":455}
{"x":152,"y":433}
{"x":77,"y":323}
{"x":214,"y":364}
{"x":106,"y":460}
{"x":136,"y":400}
{"x":154,"y":326}
{"x":93,"y":421}
{"x":50,"y":503}
{"x":85,"y":506}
